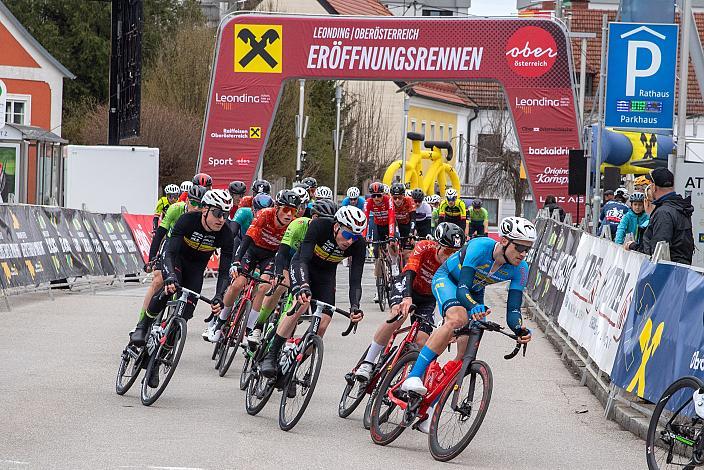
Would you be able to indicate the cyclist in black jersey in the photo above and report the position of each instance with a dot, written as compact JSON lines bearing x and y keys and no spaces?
{"x":326,"y":243}
{"x":194,"y":238}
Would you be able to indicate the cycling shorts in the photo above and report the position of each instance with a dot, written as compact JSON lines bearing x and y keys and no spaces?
{"x":445,"y":291}
{"x":425,"y":307}
{"x":187,"y":275}
{"x":258,"y":259}
{"x":476,"y":227}
{"x":404,"y":231}
{"x":380,"y":233}
{"x":322,"y":286}
{"x":423,"y":228}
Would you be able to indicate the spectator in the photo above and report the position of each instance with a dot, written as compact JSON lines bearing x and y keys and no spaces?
{"x":613,"y":211}
{"x":635,"y":220}
{"x":670,"y":221}
{"x":608,"y":195}
{"x":552,"y":205}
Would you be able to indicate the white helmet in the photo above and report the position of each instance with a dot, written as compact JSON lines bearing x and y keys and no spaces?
{"x":352,"y":218}
{"x":623,"y":192}
{"x":451,"y":193}
{"x":323,"y":192}
{"x":387,"y":189}
{"x":172,"y":190}
{"x":517,"y":228}
{"x":432,"y":199}
{"x":219,"y":198}
{"x":408,"y":192}
{"x":353,"y":192}
{"x":186,"y":186}
{"x":302,"y":194}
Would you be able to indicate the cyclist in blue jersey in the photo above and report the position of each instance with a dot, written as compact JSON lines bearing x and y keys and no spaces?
{"x":354,"y":198}
{"x":458,"y":287}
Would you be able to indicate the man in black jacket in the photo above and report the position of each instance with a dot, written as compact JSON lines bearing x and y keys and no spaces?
{"x":670,"y":221}
{"x":552,"y":205}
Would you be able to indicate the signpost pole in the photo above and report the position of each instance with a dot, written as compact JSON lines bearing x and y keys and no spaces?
{"x":596,"y":199}
{"x":299,"y":128}
{"x":406,"y":107}
{"x":686,"y":16}
{"x":338,"y":98}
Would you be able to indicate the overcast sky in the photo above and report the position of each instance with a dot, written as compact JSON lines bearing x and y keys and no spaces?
{"x":493,"y":7}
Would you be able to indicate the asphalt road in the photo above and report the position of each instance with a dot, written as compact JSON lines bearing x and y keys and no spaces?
{"x":59,"y":410}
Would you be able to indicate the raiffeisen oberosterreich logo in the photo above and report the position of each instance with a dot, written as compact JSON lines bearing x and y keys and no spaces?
{"x":531,"y":51}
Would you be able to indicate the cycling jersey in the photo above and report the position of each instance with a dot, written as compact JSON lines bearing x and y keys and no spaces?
{"x":290,"y":243}
{"x":456,"y":214}
{"x":383,"y":212}
{"x":423,"y":212}
{"x":162,"y":205}
{"x":244,"y":217}
{"x":435,"y":217}
{"x":167,"y":223}
{"x":264,"y":231}
{"x":358,"y":205}
{"x":315,"y":263}
{"x":611,"y":215}
{"x":422,"y":263}
{"x":246,"y":201}
{"x":479,"y":215}
{"x":183,"y":197}
{"x":406,"y":211}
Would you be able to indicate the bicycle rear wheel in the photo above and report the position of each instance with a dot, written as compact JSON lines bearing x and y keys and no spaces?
{"x":381,"y":293}
{"x":386,"y":416}
{"x":130,"y":367}
{"x":451,"y":430}
{"x":301,"y":384}
{"x":259,"y":390}
{"x":354,"y":391}
{"x":164,"y":361}
{"x":235,"y":339}
{"x":675,"y":430}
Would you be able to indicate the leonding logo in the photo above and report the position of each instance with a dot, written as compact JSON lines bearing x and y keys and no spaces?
{"x":531,"y":51}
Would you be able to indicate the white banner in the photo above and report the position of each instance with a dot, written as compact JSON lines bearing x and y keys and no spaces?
{"x":3,"y":103}
{"x":599,"y":296}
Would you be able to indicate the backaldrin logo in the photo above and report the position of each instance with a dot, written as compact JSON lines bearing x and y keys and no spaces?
{"x":258,"y":48}
{"x":531,"y":51}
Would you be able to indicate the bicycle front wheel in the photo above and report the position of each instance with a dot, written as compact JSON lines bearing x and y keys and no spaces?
{"x":453,"y":428}
{"x":235,"y":338}
{"x":164,"y":361}
{"x":354,"y":391}
{"x":300,"y":386}
{"x":130,"y":366}
{"x":675,"y":431}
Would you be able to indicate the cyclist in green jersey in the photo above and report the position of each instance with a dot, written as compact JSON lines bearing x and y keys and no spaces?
{"x":434,"y":201}
{"x":290,"y":243}
{"x":478,"y":219}
{"x":176,"y":210}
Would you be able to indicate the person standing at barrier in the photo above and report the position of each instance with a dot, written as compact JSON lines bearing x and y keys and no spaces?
{"x":551,"y":205}
{"x":635,"y":221}
{"x":670,"y":221}
{"x":613,"y":211}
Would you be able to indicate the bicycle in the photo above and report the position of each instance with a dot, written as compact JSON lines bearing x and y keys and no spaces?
{"x":389,"y":269}
{"x":355,"y":390}
{"x":226,"y":348}
{"x":399,"y":409}
{"x":130,"y":366}
{"x":165,"y":343}
{"x":300,"y":362}
{"x":675,"y":436}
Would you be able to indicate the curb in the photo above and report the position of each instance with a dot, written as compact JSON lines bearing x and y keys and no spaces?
{"x":624,"y":411}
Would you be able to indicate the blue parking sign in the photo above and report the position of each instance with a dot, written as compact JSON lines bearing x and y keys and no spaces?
{"x":640,"y":80}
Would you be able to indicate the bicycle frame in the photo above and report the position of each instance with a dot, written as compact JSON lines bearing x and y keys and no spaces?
{"x":412,"y":333}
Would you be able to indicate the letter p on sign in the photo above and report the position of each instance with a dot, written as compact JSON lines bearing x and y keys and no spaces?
{"x":632,"y":70}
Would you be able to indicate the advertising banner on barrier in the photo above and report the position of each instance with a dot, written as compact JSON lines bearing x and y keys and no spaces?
{"x":663,"y":337}
{"x":121,"y":253}
{"x":552,"y":262}
{"x":141,"y":228}
{"x":598,"y":297}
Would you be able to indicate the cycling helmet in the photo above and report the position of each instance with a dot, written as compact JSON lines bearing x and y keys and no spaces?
{"x":310,"y":182}
{"x":218,"y":198}
{"x":386,"y":188}
{"x":451,"y":194}
{"x":196,"y":193}
{"x":353,"y":218}
{"x":376,"y":188}
{"x":323,"y":192}
{"x":238,"y":188}
{"x":432,"y":199}
{"x":261,"y":186}
{"x":324,"y":208}
{"x":287,"y":198}
{"x":202,"y":179}
{"x":517,"y":228}
{"x":353,"y":192}
{"x":262,"y":201}
{"x":637,"y":197}
{"x":301,"y":193}
{"x":449,"y":235}
{"x":185,"y":186}
{"x":172,"y":190}
{"x":622,"y":192}
{"x":477,"y":203}
{"x":418,"y":195}
{"x":398,"y":189}
{"x":641,"y":181}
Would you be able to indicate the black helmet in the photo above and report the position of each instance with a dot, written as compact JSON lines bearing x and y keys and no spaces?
{"x":196,"y":193}
{"x":324,"y":208}
{"x":477,"y":203}
{"x":376,"y":188}
{"x":238,"y":188}
{"x":310,"y":182}
{"x":202,"y":179}
{"x":449,"y":235}
{"x":398,"y":189}
{"x":418,"y":195}
{"x":262,"y":201}
{"x":261,"y":186}
{"x":288,"y":198}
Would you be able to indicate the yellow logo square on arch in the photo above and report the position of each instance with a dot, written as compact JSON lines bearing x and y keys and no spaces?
{"x":258,"y":48}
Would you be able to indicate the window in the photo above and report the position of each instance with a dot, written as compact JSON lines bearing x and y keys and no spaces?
{"x":422,"y":129}
{"x":17,"y":112}
{"x":529,"y":210}
{"x":427,"y":12}
{"x":589,"y":82}
{"x":488,"y":147}
{"x":449,"y":133}
{"x":442,"y":132}
{"x":432,"y":131}
{"x":413,"y":125}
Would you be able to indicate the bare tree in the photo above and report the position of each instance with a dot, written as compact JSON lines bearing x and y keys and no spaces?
{"x":498,"y":168}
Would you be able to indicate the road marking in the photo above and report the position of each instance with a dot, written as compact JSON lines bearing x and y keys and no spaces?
{"x":16,"y":462}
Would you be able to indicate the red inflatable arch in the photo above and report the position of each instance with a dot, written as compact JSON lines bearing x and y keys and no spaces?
{"x":256,"y":53}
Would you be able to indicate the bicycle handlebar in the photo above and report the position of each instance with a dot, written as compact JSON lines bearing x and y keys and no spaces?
{"x":398,"y":316}
{"x":279,"y":283}
{"x":491,"y":326}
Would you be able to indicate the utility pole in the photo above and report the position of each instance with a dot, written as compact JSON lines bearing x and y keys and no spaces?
{"x":299,"y":128}
{"x":406,"y":107}
{"x":338,"y":99}
{"x":596,"y":200}
{"x":686,"y":17}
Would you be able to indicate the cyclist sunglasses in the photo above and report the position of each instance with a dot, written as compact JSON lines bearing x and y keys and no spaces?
{"x":289,"y":210}
{"x":349,"y":235}
{"x":521,"y":248}
{"x":218,"y":213}
{"x":377,"y":195}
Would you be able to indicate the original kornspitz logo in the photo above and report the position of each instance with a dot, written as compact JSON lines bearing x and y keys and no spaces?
{"x":258,"y":48}
{"x":531,"y":51}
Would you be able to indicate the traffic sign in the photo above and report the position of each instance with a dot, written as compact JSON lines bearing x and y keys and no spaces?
{"x":640,"y":80}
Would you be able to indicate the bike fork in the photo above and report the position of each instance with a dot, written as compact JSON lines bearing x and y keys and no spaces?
{"x":475,"y":337}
